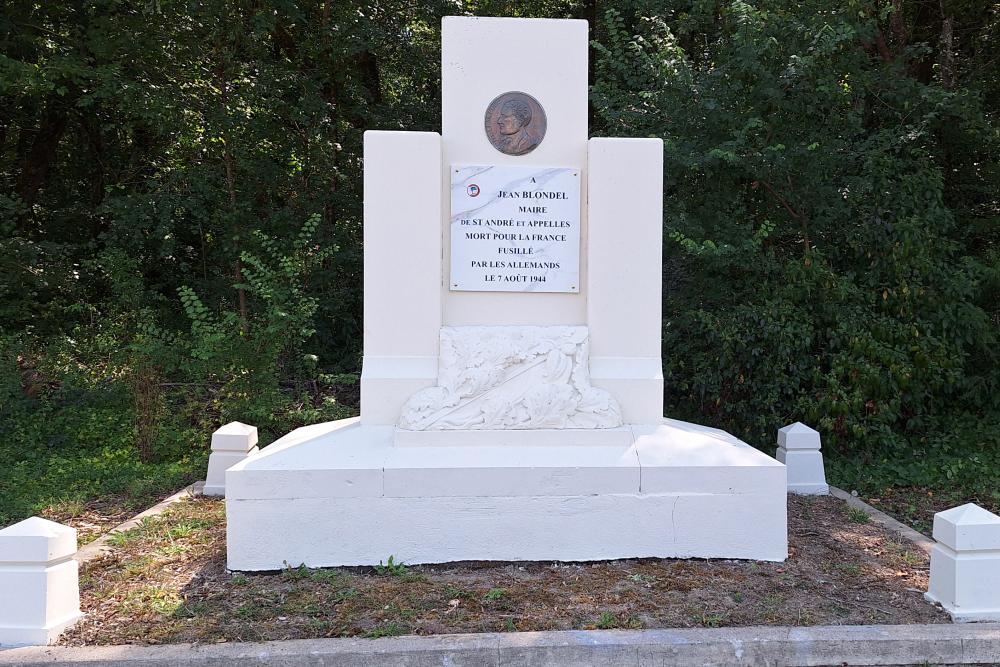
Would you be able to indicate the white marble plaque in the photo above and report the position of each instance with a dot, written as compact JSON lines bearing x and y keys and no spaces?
{"x":515,"y":229}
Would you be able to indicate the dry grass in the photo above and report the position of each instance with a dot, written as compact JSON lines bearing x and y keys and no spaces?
{"x":166,"y":582}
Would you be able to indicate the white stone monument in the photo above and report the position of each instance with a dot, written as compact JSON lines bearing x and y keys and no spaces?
{"x":39,"y":582}
{"x":512,"y":391}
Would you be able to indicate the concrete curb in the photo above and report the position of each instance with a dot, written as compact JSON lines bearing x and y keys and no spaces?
{"x":830,"y":645}
{"x":922,"y":542}
{"x":99,"y":547}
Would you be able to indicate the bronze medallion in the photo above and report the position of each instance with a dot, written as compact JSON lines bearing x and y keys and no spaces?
{"x":515,"y":123}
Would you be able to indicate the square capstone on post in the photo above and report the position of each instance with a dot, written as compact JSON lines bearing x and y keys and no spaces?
{"x":799,"y":450}
{"x":230,"y":444}
{"x":965,"y":563}
{"x":39,"y":581}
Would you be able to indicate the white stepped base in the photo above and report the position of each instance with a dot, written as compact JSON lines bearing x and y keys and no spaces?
{"x":341,"y":493}
{"x":37,"y":636}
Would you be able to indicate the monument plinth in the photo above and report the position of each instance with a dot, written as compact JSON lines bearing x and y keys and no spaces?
{"x":512,"y":391}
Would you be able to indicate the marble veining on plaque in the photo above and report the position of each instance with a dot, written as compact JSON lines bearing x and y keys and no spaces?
{"x":512,"y":377}
{"x":515,"y":229}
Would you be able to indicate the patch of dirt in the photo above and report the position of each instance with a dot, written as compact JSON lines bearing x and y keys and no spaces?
{"x":916,"y":506}
{"x":166,"y":582}
{"x":96,"y":517}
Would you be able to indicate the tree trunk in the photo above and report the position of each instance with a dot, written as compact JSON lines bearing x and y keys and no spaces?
{"x":37,"y":164}
{"x":947,"y":52}
{"x":367,"y":64}
{"x":147,"y":393}
{"x":95,"y":142}
{"x":230,"y":165}
{"x":241,"y":294}
{"x":898,"y":25}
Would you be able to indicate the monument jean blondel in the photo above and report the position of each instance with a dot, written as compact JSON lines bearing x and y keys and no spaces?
{"x":512,"y":387}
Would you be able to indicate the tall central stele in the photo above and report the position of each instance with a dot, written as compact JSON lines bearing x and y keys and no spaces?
{"x":512,"y":392}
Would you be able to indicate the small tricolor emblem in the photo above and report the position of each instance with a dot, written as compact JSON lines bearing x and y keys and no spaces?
{"x":473,"y":190}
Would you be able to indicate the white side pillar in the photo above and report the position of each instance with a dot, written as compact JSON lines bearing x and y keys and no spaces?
{"x":39,"y":582}
{"x":402,"y":283}
{"x":230,"y":444}
{"x":625,"y":273}
{"x":799,"y":449}
{"x":965,"y":564}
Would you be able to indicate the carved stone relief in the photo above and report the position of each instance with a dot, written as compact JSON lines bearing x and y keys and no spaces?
{"x":512,"y":377}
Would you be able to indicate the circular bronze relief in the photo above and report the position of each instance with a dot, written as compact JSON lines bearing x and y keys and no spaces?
{"x":515,"y":123}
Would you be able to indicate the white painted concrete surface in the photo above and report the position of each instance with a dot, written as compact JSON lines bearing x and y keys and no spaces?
{"x":624,"y":275}
{"x":343,"y":494}
{"x":482,"y":57}
{"x":234,"y":437}
{"x":621,"y":435}
{"x":231,"y":443}
{"x":799,"y":450}
{"x":965,"y":564}
{"x":402,"y":278}
{"x":39,"y":582}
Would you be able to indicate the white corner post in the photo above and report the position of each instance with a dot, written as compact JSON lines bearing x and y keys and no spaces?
{"x":39,"y":582}
{"x":799,"y":450}
{"x":402,"y":277}
{"x":624,"y":273}
{"x":230,"y":444}
{"x":965,"y":564}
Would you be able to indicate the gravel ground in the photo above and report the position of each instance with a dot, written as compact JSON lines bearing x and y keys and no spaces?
{"x":166,"y":582}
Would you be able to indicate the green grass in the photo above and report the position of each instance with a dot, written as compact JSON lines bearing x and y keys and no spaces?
{"x":325,"y":576}
{"x":607,"y":620}
{"x":386,"y":630}
{"x":342,"y":595}
{"x":709,"y":620}
{"x":852,"y":569}
{"x":75,"y":450}
{"x":494,"y":594}
{"x":394,"y":568}
{"x":957,"y":459}
{"x":296,"y":573}
{"x":858,"y":515}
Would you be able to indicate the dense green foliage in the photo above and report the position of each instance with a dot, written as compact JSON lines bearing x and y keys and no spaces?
{"x":180,"y":220}
{"x":832,"y":214}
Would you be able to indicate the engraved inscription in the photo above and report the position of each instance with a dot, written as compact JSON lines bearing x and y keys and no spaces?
{"x":515,"y":229}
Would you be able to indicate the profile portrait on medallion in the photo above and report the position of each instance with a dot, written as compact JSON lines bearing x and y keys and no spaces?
{"x":515,"y":123}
